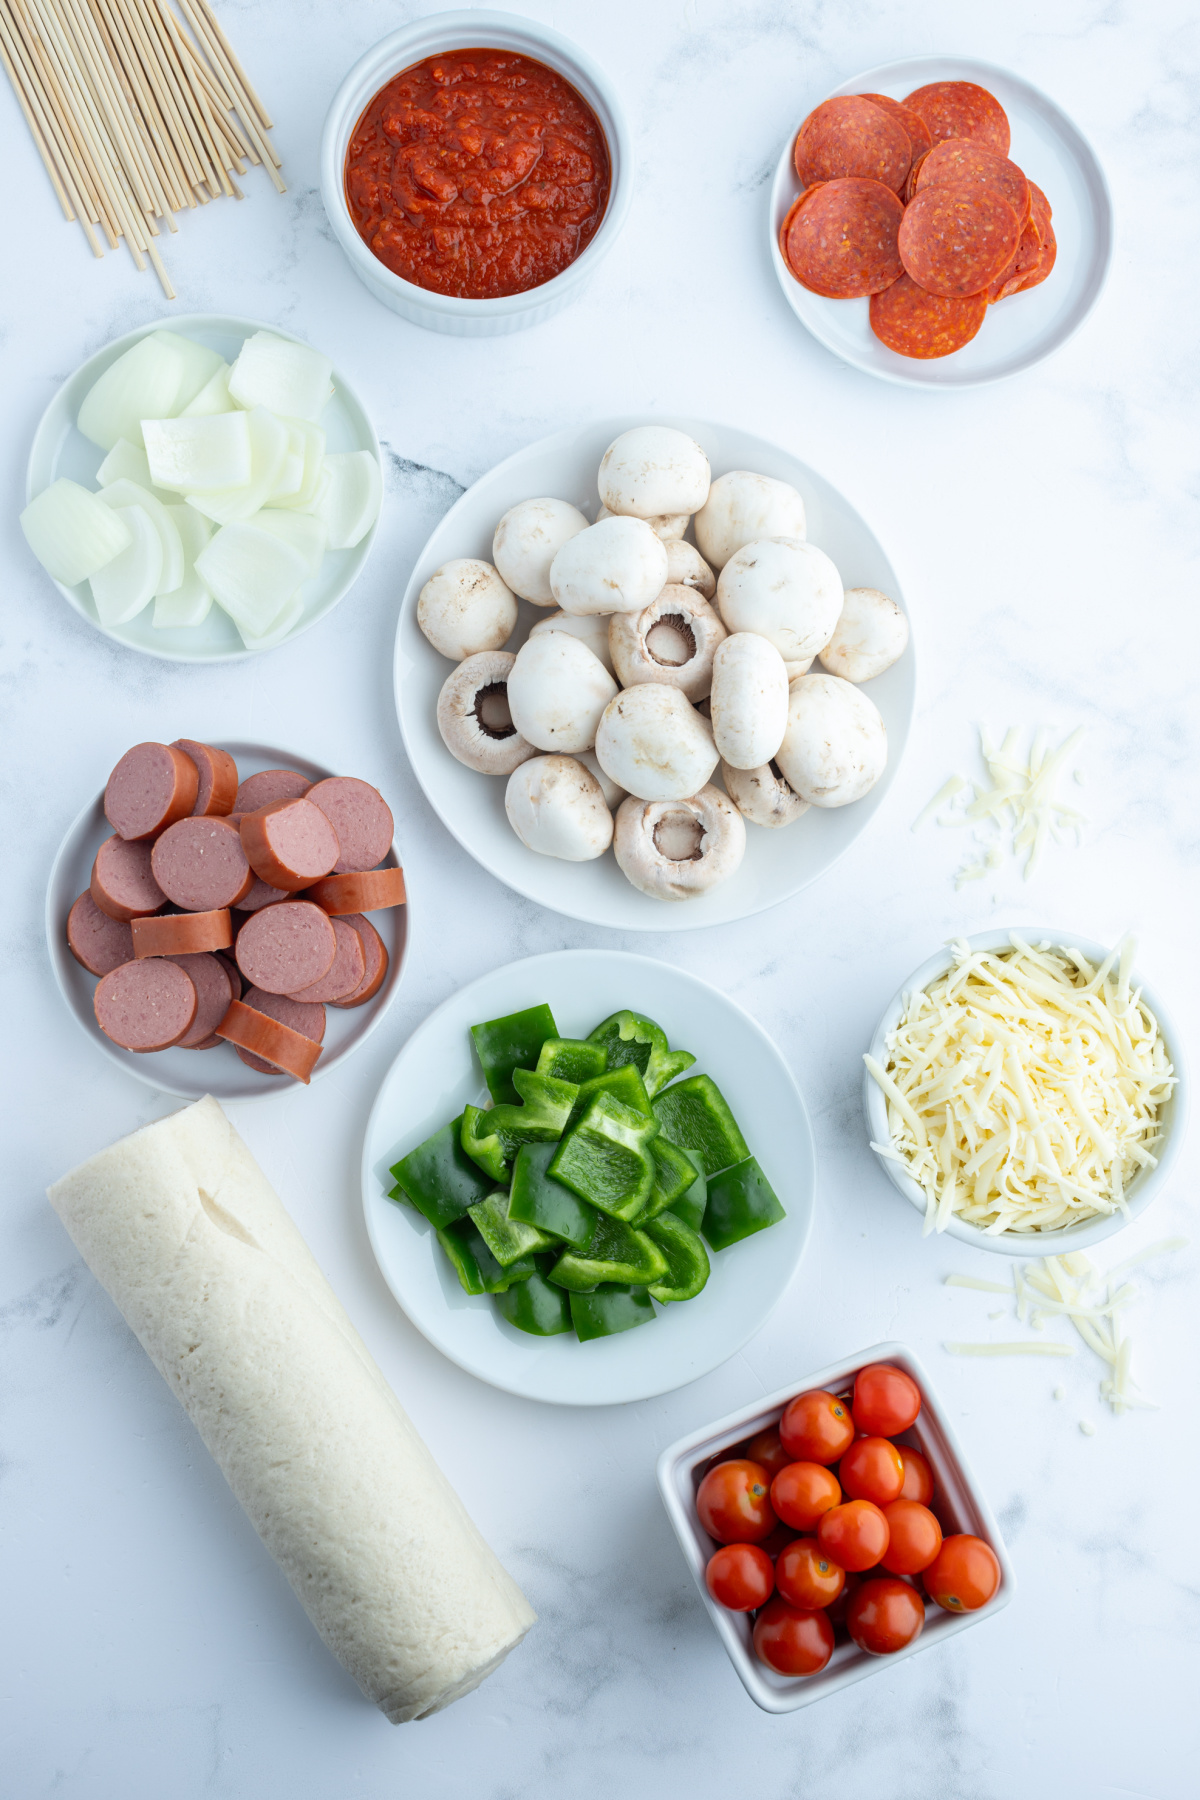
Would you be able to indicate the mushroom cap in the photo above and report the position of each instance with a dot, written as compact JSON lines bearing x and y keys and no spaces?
{"x":590,"y":628}
{"x":555,"y":806}
{"x":654,"y":744}
{"x":465,"y":607}
{"x":871,"y":634}
{"x":835,"y":747}
{"x":527,"y":540}
{"x":557,"y":691}
{"x":618,"y":565}
{"x":672,"y":641}
{"x":612,"y":791}
{"x":743,"y":508}
{"x":796,"y":669}
{"x":492,"y":747}
{"x":677,"y":849}
{"x":687,"y":568}
{"x":763,"y":796}
{"x":785,"y":589}
{"x":654,"y":469}
{"x":749,"y":700}
{"x":670,"y":527}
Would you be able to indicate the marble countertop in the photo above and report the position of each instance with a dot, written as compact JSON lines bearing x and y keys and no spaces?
{"x":1045,"y":532}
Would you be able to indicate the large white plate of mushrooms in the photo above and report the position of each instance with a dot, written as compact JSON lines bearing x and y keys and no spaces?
{"x":654,"y":674}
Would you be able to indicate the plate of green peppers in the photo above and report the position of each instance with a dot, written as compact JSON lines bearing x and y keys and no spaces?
{"x":577,"y":1146}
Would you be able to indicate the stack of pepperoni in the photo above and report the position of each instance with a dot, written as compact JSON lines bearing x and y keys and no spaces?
{"x":277,"y":869}
{"x":917,"y":205}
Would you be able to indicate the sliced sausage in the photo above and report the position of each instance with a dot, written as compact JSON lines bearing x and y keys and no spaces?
{"x":218,"y":776}
{"x":273,"y":1045}
{"x":286,"y":947}
{"x":849,"y":136}
{"x":840,"y":238}
{"x":261,"y":894}
{"x":236,"y":983}
{"x":913,"y":123}
{"x":961,"y":109}
{"x":370,"y":890}
{"x":914,"y":323}
{"x":376,"y":958}
{"x":956,"y":238}
{"x":958,"y":159}
{"x":151,"y":787}
{"x":182,"y":934}
{"x":214,"y":991}
{"x":123,"y":884}
{"x":345,"y":973}
{"x":361,"y":818}
{"x":200,"y":865}
{"x":268,"y":786}
{"x":146,"y":1005}
{"x":290,"y":843}
{"x":96,"y":940}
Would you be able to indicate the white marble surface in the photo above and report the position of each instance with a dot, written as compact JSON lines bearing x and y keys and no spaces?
{"x":1046,"y":533}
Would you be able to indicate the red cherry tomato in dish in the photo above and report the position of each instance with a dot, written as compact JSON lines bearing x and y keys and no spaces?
{"x":802,"y":1491}
{"x":734,"y":1503}
{"x":740,"y":1576}
{"x":791,"y":1641}
{"x":806,"y":1577}
{"x":963,"y":1575}
{"x":886,"y":1400}
{"x":914,"y":1537}
{"x":767,"y":1450}
{"x":884,"y":1615}
{"x":918,"y":1476}
{"x":854,"y":1535}
{"x":816,"y":1427}
{"x":872,"y":1469}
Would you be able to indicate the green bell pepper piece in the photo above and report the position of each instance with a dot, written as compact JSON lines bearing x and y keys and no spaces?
{"x":571,"y":1059}
{"x":537,"y":1199}
{"x":535,"y":1306}
{"x":508,"y":1239}
{"x":476,"y":1267}
{"x":610,"y":1309}
{"x":439,"y":1179}
{"x":695,"y":1115}
{"x":690,"y":1206}
{"x":630,"y":1038}
{"x":606,"y":1159}
{"x":541,"y":1120}
{"x":687,"y":1259}
{"x":616,"y":1253}
{"x":675,"y":1174}
{"x":513,"y":1042}
{"x":740,"y":1201}
{"x":481,"y":1143}
{"x":624,"y":1084}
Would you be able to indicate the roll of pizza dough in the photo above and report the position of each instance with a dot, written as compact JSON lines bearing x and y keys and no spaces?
{"x":181,"y":1226}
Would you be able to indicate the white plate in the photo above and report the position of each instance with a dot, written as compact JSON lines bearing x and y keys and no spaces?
{"x":777,"y":864}
{"x":436,"y":1074}
{"x":220,"y":1072}
{"x":1019,"y":331}
{"x":59,"y":448}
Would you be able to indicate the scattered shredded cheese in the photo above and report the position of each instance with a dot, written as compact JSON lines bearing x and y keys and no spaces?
{"x":1014,"y":802}
{"x":1025,"y":1348}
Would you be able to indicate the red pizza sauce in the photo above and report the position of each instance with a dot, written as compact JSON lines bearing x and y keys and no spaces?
{"x":477,"y":173}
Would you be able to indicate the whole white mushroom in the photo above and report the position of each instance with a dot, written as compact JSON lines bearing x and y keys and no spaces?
{"x":673,"y":640}
{"x":749,"y":700}
{"x":616,"y":566}
{"x":590,"y":628}
{"x":527,"y":540}
{"x":796,"y":669}
{"x":784,"y":589}
{"x":654,"y":744}
{"x":835,"y":747}
{"x":465,"y":607}
{"x":474,"y":719}
{"x":612,"y":791}
{"x":678,"y":849}
{"x":654,"y":469}
{"x":670,"y":527}
{"x":557,"y":691}
{"x":555,"y":806}
{"x":687,"y":568}
{"x":742,"y":508}
{"x":871,"y":634}
{"x":763,"y":796}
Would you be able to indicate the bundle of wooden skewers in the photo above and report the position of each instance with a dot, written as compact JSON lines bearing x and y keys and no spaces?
{"x":136,"y":112}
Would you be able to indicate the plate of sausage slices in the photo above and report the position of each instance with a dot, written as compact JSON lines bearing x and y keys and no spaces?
{"x":939,"y":222}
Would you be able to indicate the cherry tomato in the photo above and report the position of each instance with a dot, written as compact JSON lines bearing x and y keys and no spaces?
{"x":872,"y":1469}
{"x":886,"y":1400}
{"x":816,"y":1427}
{"x":884,"y":1615}
{"x":733,"y":1503}
{"x":914,"y":1537}
{"x":740,"y":1576}
{"x":791,"y":1641}
{"x":767,"y":1450}
{"x":802,"y":1491}
{"x":963,"y":1575}
{"x":854,"y":1535}
{"x":806,"y":1577}
{"x":918,"y":1476}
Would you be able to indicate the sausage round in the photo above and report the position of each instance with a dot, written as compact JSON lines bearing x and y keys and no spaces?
{"x":961,"y":109}
{"x":151,"y":787}
{"x":234,"y":973}
{"x":955,"y":238}
{"x":261,"y":894}
{"x":200,"y":864}
{"x":289,"y":843}
{"x":913,"y":123}
{"x":218,"y":777}
{"x":214,"y":991}
{"x":345,"y":973}
{"x":360,"y":816}
{"x":370,"y":890}
{"x":376,"y":958}
{"x":840,"y":238}
{"x":914,"y":323}
{"x":268,"y":786}
{"x":958,"y":159}
{"x":123,"y":884}
{"x":849,"y":136}
{"x":182,"y":934}
{"x":288,"y":1044}
{"x":286,"y":947}
{"x":95,"y":939}
{"x":146,"y":1005}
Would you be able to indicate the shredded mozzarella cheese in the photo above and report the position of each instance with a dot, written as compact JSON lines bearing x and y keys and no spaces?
{"x":1015,"y":801}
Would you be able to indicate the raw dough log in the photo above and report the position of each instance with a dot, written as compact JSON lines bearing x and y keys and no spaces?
{"x":183,"y":1229}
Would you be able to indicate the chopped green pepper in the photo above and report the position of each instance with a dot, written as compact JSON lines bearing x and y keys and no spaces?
{"x":695,"y":1115}
{"x":538,"y":1199}
{"x":481,"y":1143}
{"x":623,"y":1084}
{"x":610,"y":1309}
{"x":687,"y":1259}
{"x":740,"y":1201}
{"x":535,"y":1306}
{"x":617,"y":1253}
{"x":571,"y":1059}
{"x":513,"y":1042}
{"x":690,"y":1206}
{"x":476,"y":1267}
{"x":630,"y":1038}
{"x":439,"y":1179}
{"x":606,"y":1159}
{"x":508,"y":1239}
{"x":542,"y":1118}
{"x":675,"y":1174}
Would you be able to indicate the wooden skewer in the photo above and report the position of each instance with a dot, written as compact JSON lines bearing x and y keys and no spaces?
{"x":170,"y":175}
{"x":174,"y":105}
{"x":45,"y":52}
{"x":130,"y":153}
{"x":179,"y":76}
{"x":19,"y":90}
{"x":264,"y":117}
{"x":218,"y":101}
{"x":245,"y":110}
{"x":39,"y":61}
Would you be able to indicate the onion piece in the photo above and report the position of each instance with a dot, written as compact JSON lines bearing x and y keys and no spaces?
{"x":197,"y":455}
{"x":212,"y":398}
{"x":285,"y":622}
{"x":191,"y":602}
{"x":71,"y":532}
{"x":314,"y":467}
{"x":251,"y":574}
{"x":306,"y":535}
{"x":126,"y":584}
{"x":288,"y":378}
{"x":291,"y":475}
{"x":129,"y":493}
{"x":142,"y":384}
{"x":268,"y":447}
{"x":127,"y":462}
{"x":350,"y":505}
{"x":199,"y":366}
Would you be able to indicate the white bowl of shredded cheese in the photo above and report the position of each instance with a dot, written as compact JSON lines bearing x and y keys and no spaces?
{"x":1025,"y":1092}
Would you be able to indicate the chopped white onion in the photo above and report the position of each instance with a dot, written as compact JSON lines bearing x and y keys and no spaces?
{"x":127,"y":462}
{"x":197,"y":455}
{"x":212,"y":398}
{"x":306,"y":535}
{"x":142,"y":384}
{"x":199,"y":366}
{"x":71,"y":532}
{"x":288,"y":378}
{"x":126,"y":584}
{"x":285,"y":622}
{"x":268,"y":447}
{"x":252,"y":574}
{"x":351,"y":503}
{"x":191,"y":602}
{"x":314,"y":467}
{"x":129,"y":493}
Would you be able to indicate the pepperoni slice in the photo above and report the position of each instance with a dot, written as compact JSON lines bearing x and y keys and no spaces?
{"x":1049,"y":244}
{"x":915,"y":323}
{"x":955,"y":239}
{"x":960,"y":109}
{"x":910,"y":186}
{"x":958,"y":159}
{"x":913,"y":123}
{"x":1023,"y":264}
{"x":840,"y":239}
{"x":849,"y":136}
